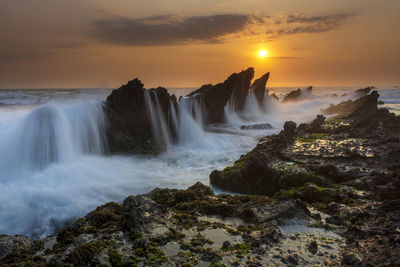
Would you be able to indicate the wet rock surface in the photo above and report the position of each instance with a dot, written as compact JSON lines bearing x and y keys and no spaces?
{"x":129,"y":128}
{"x":346,"y":167}
{"x":170,"y":227}
{"x":323,"y":193}
{"x":215,"y":97}
{"x":261,"y":126}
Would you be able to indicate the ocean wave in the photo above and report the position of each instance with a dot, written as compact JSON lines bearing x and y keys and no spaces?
{"x":18,"y":98}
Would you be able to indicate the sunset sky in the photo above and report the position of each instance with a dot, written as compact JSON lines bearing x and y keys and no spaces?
{"x":103,"y":43}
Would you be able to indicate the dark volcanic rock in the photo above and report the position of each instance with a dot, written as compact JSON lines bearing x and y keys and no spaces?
{"x":261,"y":126}
{"x":129,"y":125}
{"x":297,"y":95}
{"x":363,"y":91}
{"x":258,"y":87}
{"x":366,"y":104}
{"x":365,"y":115}
{"x":144,"y":228}
{"x":258,"y":173}
{"x":140,"y":213}
{"x":216,"y":97}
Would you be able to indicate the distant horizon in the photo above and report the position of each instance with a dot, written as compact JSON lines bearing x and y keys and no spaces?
{"x":197,"y":87}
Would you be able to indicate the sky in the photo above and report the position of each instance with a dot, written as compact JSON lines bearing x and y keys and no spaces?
{"x":187,"y":43}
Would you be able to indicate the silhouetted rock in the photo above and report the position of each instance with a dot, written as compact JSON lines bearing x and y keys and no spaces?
{"x":258,"y":87}
{"x":297,"y":95}
{"x":350,"y":108}
{"x":216,"y":97}
{"x":129,"y":122}
{"x":363,"y":91}
{"x":261,"y":126}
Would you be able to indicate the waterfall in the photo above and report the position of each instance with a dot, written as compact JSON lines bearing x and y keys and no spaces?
{"x":49,"y":134}
{"x":253,"y":111}
{"x":183,"y":124}
{"x":190,"y":126}
{"x":161,"y":130}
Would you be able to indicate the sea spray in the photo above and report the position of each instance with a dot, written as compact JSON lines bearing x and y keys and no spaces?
{"x":50,"y":134}
{"x":160,"y":128}
{"x":180,"y":125}
{"x":190,"y":126}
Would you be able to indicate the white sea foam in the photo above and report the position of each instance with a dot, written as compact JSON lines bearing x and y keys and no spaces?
{"x":53,"y":167}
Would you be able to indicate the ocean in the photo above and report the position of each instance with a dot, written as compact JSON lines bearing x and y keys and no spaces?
{"x":54,"y":165}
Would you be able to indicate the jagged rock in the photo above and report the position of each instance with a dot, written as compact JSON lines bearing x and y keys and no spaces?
{"x":297,"y":95}
{"x":363,"y":91}
{"x":261,"y":126}
{"x":365,"y":104}
{"x":365,"y":115}
{"x":216,"y":97}
{"x":129,"y":123}
{"x":258,"y":87}
{"x":255,"y":173}
{"x":13,"y":244}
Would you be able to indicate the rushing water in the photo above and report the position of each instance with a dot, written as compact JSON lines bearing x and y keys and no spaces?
{"x":53,"y":166}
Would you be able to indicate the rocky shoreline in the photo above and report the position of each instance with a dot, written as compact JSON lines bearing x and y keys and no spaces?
{"x":324,"y":193}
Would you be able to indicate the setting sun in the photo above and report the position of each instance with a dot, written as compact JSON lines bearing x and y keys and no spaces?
{"x":263,"y":53}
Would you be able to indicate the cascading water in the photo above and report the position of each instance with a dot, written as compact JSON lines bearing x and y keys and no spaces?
{"x":161,"y":129}
{"x":49,"y":134}
{"x":53,"y":168}
{"x":186,"y":120}
{"x":190,"y":124}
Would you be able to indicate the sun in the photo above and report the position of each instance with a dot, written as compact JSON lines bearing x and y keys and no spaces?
{"x":263,"y":53}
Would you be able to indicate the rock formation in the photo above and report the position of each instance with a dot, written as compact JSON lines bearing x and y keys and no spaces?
{"x":258,"y":87}
{"x":129,"y":123}
{"x":346,"y":167}
{"x":297,"y":95}
{"x":216,"y":97}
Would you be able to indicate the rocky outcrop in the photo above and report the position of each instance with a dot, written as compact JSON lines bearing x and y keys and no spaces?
{"x":129,"y":123}
{"x":13,"y":244}
{"x":346,"y":167}
{"x":216,"y":97}
{"x":365,"y":116}
{"x":170,"y":227}
{"x":362,"y":92}
{"x":258,"y":87}
{"x":264,"y":170}
{"x":260,"y":126}
{"x":366,"y":104}
{"x":297,"y":95}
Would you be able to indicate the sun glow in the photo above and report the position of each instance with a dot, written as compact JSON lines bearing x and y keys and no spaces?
{"x":263,"y":53}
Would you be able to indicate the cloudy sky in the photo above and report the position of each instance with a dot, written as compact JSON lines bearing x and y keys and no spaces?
{"x":102,"y":43}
